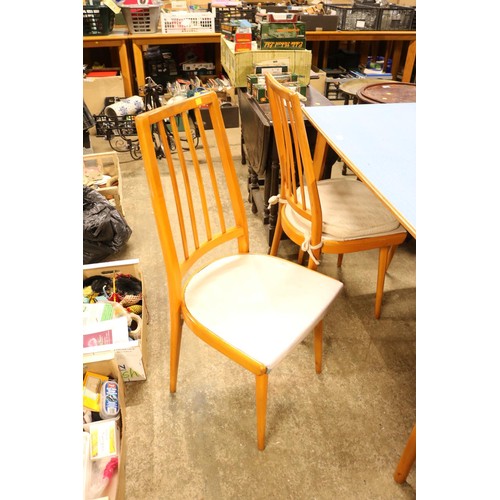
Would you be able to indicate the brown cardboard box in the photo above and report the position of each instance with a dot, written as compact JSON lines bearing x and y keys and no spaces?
{"x":318,"y":79}
{"x":131,"y":360}
{"x":96,"y":89}
{"x":104,"y":363}
{"x":405,"y":3}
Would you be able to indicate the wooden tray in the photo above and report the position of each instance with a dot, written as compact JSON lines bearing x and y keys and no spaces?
{"x":394,"y":92}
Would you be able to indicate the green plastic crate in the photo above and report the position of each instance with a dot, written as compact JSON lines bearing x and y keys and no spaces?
{"x":97,"y":20}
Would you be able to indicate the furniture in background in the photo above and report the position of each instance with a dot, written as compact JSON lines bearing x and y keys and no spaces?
{"x":207,"y":219}
{"x":258,"y":149}
{"x":385,"y":93}
{"x":139,"y":41}
{"x":398,"y":43}
{"x":351,"y":87}
{"x":386,"y":162}
{"x":325,"y":216}
{"x":116,"y":39}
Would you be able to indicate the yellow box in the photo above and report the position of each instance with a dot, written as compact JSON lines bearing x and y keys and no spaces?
{"x":240,"y":64}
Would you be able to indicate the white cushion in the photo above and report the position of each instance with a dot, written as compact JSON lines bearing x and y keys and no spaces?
{"x":350,"y":211}
{"x":260,"y":304}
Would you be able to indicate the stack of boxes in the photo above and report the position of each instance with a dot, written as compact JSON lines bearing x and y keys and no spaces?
{"x":238,"y":31}
{"x":256,"y":82}
{"x":282,"y":32}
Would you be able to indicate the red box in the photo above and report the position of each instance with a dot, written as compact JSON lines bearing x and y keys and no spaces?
{"x":242,"y":46}
{"x":242,"y":37}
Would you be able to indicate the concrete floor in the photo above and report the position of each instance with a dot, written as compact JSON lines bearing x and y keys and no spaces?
{"x":337,"y":435}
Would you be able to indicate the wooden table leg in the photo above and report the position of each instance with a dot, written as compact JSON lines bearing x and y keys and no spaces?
{"x":407,"y":458}
{"x":410,"y":61}
{"x":125,"y":68}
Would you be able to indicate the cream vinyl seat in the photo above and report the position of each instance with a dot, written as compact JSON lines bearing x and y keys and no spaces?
{"x":254,"y":309}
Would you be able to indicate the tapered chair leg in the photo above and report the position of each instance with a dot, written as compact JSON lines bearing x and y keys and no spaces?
{"x":392,"y":251}
{"x":408,"y":458}
{"x":340,"y":258}
{"x":175,"y":348}
{"x":382,"y":266}
{"x":261,"y":400}
{"x":278,"y":233}
{"x":318,"y":346}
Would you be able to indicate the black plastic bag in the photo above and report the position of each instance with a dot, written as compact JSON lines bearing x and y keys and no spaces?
{"x":105,"y":231}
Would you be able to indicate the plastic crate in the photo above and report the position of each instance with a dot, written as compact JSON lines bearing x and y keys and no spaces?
{"x":104,"y":123}
{"x":97,"y":20}
{"x":356,"y":18}
{"x":225,"y":14}
{"x":142,"y":18}
{"x":396,"y":18}
{"x":187,"y":22}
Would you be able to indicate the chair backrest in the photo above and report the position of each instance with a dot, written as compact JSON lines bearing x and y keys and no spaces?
{"x":298,"y":179}
{"x":195,"y":192}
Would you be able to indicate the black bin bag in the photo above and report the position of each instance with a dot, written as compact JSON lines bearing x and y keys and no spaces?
{"x":105,"y":231}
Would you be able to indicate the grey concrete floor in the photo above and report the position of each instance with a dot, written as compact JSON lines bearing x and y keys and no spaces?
{"x":337,"y":435}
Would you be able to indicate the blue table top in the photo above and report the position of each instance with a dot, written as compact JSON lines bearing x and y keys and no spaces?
{"x":378,"y":143}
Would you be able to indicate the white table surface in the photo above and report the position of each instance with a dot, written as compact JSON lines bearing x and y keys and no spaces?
{"x":378,"y":143}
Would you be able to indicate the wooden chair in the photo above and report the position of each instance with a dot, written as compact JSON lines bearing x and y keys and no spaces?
{"x":324,"y":216}
{"x":252,"y":308}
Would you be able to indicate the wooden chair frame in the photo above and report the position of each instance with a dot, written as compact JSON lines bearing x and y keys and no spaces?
{"x":298,"y":175}
{"x":202,"y":224}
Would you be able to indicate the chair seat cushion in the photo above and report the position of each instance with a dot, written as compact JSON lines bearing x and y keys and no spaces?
{"x":350,"y":211}
{"x":259,"y":304}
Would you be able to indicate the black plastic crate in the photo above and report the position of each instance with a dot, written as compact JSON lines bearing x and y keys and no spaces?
{"x":396,"y":17}
{"x":356,"y":18}
{"x":225,"y":14}
{"x":97,"y":20}
{"x":103,"y":123}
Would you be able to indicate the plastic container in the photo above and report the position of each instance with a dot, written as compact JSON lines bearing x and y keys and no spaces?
{"x":396,"y":18}
{"x":97,"y":20}
{"x":187,"y":22}
{"x":142,"y":18}
{"x":110,"y":407}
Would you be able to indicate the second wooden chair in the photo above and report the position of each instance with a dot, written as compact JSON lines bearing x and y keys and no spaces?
{"x":336,"y":216}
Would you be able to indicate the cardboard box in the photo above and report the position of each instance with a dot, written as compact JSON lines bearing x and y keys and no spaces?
{"x":281,"y":43}
{"x":239,"y":65}
{"x":260,"y":79}
{"x":282,"y":30}
{"x":105,"y":364}
{"x":259,"y":91}
{"x":132,"y":359}
{"x":99,"y":166}
{"x":243,"y":46}
{"x":96,"y":89}
{"x":318,"y":79}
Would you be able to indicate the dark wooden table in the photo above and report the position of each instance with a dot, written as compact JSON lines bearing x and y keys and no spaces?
{"x":258,"y":149}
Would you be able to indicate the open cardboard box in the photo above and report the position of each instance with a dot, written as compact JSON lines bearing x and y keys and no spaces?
{"x":105,"y":363}
{"x":100,"y":166}
{"x":131,"y":360}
